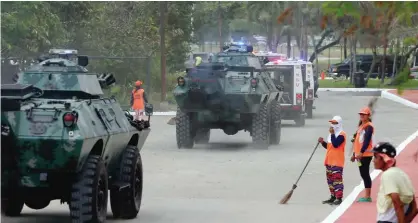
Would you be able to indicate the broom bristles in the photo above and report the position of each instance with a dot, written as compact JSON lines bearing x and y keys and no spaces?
{"x":286,"y":197}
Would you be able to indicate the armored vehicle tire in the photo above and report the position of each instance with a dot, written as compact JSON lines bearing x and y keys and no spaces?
{"x":300,"y":121}
{"x":275,"y":124}
{"x":13,"y":205}
{"x":184,"y":130}
{"x":309,"y":110}
{"x":126,"y":204}
{"x":260,"y":127}
{"x":202,"y":136}
{"x":89,"y":192}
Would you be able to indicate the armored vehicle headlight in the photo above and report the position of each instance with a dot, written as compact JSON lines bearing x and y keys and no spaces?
{"x":70,"y":119}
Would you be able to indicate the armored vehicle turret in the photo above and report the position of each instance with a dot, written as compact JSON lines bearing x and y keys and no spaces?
{"x":62,"y":139}
{"x":228,"y":95}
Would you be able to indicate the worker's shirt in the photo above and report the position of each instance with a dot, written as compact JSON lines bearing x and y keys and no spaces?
{"x":393,"y":180}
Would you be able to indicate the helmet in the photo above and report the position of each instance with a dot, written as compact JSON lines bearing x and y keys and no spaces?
{"x":138,"y":83}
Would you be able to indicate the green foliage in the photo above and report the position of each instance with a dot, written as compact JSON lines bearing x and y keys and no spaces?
{"x":402,"y":80}
{"x":106,"y":29}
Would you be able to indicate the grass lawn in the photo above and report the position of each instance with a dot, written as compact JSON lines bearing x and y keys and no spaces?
{"x":373,"y":83}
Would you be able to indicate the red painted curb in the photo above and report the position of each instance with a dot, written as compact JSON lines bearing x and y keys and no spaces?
{"x":410,"y":95}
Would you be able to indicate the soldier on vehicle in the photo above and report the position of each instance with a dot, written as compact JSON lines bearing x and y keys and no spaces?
{"x":138,"y":100}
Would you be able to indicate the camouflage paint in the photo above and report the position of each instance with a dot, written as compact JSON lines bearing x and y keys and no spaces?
{"x":70,"y":78}
{"x":197,"y":96}
{"x":45,"y":146}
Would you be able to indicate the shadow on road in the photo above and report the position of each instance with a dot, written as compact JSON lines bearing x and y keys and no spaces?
{"x":228,"y":146}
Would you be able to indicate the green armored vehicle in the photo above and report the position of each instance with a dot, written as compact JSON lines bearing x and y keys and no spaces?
{"x":232,"y":93}
{"x":61,"y":139}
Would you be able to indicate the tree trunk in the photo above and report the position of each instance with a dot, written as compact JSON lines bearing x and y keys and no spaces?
{"x":351,"y":61}
{"x":345,"y":48}
{"x":220,"y":27}
{"x":319,"y":50}
{"x":289,"y":46}
{"x":354,"y":39}
{"x":373,"y":63}
{"x":163,"y":8}
{"x":395,"y":61}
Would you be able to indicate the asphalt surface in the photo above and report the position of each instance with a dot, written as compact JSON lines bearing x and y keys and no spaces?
{"x":229,"y":181}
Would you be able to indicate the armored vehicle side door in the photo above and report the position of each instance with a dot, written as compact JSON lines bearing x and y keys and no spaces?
{"x":109,"y":113}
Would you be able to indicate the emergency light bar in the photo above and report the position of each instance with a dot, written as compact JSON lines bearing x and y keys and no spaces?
{"x":62,"y":51}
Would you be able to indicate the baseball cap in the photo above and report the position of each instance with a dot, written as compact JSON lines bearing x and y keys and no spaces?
{"x":365,"y":111}
{"x":385,"y":148}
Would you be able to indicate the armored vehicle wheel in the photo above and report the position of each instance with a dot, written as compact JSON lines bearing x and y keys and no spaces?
{"x":184,"y":134}
{"x":126,"y":196}
{"x":300,"y":121}
{"x":89,"y":192}
{"x":12,"y":205}
{"x":260,"y":127}
{"x":275,"y":124}
{"x":202,"y":136}
{"x":309,"y":110}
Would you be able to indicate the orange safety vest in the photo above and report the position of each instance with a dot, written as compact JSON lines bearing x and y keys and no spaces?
{"x":358,"y":141}
{"x":336,"y":156}
{"x":138,"y":96}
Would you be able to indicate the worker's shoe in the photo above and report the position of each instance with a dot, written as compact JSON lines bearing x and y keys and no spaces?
{"x":329,"y":201}
{"x":364,"y":199}
{"x":337,"y":201}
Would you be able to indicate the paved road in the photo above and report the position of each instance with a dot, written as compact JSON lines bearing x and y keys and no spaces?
{"x":228,"y":181}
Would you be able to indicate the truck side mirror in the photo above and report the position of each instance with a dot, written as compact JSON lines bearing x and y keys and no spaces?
{"x":83,"y":61}
{"x":106,"y":80}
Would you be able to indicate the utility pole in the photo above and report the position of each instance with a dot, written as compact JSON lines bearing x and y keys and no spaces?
{"x":220,"y":26}
{"x":163,"y":7}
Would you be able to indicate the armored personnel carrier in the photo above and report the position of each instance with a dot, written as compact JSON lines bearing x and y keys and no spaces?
{"x":61,"y":139}
{"x":232,"y":93}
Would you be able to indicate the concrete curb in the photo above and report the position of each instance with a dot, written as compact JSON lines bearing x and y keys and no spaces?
{"x":353,"y":89}
{"x":398,"y":99}
{"x":168,"y":113}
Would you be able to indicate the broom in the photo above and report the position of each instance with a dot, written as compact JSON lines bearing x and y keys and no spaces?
{"x":287,"y":197}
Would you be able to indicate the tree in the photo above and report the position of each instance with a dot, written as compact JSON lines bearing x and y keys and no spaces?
{"x":265,"y":13}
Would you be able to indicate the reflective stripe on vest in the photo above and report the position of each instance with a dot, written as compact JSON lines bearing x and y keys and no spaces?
{"x":358,"y":141}
{"x":336,"y":156}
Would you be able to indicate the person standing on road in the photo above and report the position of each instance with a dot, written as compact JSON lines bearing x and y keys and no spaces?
{"x":138,"y":100}
{"x":396,"y":196}
{"x":363,"y":144}
{"x":334,"y":160}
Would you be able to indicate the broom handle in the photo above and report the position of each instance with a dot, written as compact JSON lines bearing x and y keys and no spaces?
{"x":307,"y":163}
